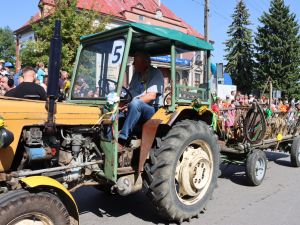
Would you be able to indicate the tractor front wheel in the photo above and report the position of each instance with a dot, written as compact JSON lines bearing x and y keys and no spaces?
{"x":182,"y":171}
{"x":22,"y":207}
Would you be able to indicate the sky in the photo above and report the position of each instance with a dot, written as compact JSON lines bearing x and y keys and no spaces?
{"x":189,"y":10}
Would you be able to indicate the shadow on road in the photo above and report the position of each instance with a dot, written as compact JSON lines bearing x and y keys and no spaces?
{"x":279,"y":158}
{"x":236,"y":173}
{"x":103,"y":204}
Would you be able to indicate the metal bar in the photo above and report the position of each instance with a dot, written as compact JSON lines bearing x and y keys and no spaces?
{"x":35,"y":172}
{"x":125,"y":58}
{"x":207,"y":69}
{"x":190,"y":87}
{"x":171,"y":108}
{"x":74,"y":71}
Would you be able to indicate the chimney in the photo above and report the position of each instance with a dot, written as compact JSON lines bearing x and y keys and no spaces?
{"x":158,"y":3}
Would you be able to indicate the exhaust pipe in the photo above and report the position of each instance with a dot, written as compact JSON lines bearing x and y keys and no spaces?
{"x":128,"y":184}
{"x":54,"y":67}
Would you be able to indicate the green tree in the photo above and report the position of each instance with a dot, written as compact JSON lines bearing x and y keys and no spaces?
{"x":7,"y":44}
{"x":278,"y":49}
{"x":74,"y":24}
{"x":239,"y":48}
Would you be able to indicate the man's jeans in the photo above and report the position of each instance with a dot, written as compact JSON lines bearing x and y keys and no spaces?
{"x":137,"y":111}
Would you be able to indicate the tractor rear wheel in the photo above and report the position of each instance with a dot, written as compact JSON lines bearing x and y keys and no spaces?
{"x":182,"y":171}
{"x":22,"y":207}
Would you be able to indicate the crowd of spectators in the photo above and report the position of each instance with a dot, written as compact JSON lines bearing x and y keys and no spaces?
{"x":29,"y":82}
{"x":236,"y":99}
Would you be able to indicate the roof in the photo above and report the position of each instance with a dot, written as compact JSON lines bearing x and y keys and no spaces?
{"x":150,"y":43}
{"x":117,"y":8}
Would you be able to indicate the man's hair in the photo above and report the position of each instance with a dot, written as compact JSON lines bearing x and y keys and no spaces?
{"x":40,"y":64}
{"x":144,"y":56}
{"x":10,"y":82}
{"x":27,"y":68}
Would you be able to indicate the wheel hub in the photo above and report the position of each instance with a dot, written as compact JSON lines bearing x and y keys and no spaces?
{"x":32,"y":219}
{"x":260,"y":169}
{"x":193,"y":172}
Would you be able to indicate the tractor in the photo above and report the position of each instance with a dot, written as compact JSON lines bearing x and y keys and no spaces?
{"x":48,"y":150}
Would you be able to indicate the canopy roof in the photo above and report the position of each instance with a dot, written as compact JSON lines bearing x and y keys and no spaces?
{"x":155,"y":40}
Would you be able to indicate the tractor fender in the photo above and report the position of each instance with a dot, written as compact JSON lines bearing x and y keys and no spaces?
{"x":47,"y":183}
{"x":163,"y":117}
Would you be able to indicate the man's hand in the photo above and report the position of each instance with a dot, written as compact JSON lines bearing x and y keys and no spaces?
{"x":124,"y":108}
{"x":148,"y":97}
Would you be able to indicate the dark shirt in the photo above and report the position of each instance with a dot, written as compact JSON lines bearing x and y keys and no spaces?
{"x":28,"y":90}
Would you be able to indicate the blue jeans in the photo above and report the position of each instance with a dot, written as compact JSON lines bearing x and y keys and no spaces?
{"x":137,"y":111}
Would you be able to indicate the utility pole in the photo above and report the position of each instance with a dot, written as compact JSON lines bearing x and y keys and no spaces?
{"x":205,"y":60}
{"x":206,"y":14}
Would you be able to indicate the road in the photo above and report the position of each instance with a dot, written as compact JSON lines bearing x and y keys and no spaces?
{"x":275,"y":202}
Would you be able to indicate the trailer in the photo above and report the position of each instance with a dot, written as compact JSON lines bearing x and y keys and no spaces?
{"x":246,"y":131}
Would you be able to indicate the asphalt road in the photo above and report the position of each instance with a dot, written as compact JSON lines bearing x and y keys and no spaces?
{"x":275,"y":202}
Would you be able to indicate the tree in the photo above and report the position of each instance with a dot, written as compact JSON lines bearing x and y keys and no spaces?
{"x":74,"y":24}
{"x":278,"y":49}
{"x":7,"y":44}
{"x":239,"y":48}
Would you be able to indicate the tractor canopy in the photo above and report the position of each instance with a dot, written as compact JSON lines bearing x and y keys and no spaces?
{"x":102,"y":59}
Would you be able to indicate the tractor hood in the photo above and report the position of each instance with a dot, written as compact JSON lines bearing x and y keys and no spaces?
{"x":34,"y":112}
{"x":19,"y":113}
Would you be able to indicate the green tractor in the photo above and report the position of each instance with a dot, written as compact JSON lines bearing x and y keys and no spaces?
{"x":63,"y":146}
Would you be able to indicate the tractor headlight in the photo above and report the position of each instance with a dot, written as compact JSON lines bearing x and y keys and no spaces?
{"x":6,"y":137}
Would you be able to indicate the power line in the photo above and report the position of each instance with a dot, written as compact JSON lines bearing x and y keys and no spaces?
{"x":198,"y":2}
{"x":258,"y":9}
{"x":218,"y":13}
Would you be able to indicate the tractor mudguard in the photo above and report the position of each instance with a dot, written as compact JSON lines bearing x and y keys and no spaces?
{"x":162,"y":116}
{"x":47,"y":182}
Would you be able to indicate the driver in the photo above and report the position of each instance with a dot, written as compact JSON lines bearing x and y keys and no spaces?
{"x":146,"y":88}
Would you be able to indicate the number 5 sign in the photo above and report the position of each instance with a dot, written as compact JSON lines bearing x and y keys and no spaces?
{"x":117,"y":52}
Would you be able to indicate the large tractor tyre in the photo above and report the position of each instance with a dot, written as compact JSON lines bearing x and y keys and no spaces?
{"x":295,"y":152}
{"x":182,"y":171}
{"x":22,"y":207}
{"x":256,"y":166}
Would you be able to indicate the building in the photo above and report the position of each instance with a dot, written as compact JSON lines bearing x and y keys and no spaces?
{"x":189,"y":65}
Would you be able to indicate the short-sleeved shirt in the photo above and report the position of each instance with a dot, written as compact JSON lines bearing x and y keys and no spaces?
{"x":27,"y":89}
{"x":154,"y":83}
{"x":40,"y":75}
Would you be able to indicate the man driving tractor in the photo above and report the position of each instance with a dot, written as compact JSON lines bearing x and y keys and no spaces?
{"x":146,"y":88}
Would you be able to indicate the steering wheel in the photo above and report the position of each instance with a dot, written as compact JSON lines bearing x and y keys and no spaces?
{"x":125,"y":95}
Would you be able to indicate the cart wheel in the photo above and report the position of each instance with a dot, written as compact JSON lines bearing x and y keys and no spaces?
{"x":256,"y":167}
{"x":295,"y":152}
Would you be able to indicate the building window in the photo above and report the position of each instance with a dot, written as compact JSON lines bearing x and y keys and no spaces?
{"x":197,"y":79}
{"x":141,"y":18}
{"x":140,"y":6}
{"x":185,"y":77}
{"x":159,"y":14}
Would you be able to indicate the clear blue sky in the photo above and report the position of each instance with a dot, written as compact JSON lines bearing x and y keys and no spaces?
{"x":191,"y":11}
